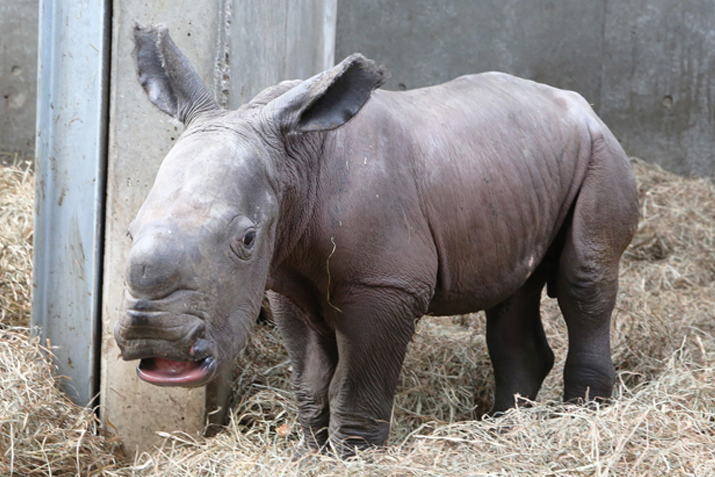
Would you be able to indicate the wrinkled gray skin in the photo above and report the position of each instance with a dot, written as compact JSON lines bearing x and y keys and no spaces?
{"x":470,"y":195}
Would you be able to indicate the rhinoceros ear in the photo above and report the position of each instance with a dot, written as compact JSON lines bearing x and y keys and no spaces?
{"x":167,"y":76}
{"x":329,"y":99}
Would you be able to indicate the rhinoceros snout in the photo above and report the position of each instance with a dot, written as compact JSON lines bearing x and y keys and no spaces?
{"x":154,"y":266}
{"x":142,"y":335}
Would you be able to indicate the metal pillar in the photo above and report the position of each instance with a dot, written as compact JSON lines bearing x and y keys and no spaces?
{"x":70,"y":149}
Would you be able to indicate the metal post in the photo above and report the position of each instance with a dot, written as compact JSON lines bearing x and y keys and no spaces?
{"x":71,"y":155}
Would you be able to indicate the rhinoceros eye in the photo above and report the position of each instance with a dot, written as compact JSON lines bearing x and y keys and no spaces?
{"x":242,"y":247}
{"x":249,"y":238}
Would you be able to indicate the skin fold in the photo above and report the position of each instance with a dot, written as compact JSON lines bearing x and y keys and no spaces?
{"x":360,"y":210}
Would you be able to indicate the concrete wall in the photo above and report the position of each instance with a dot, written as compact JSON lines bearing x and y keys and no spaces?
{"x":18,"y":75}
{"x":213,"y":36}
{"x":271,"y":41}
{"x":647,"y":66}
{"x":139,"y":138}
{"x":658,"y":81}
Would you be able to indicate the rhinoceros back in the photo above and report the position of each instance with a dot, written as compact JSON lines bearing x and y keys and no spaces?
{"x":498,"y":163}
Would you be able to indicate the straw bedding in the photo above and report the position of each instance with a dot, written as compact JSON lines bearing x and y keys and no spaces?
{"x":661,"y":422}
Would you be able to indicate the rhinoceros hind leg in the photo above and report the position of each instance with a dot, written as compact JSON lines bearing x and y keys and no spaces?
{"x":586,"y":296}
{"x":518,"y":348}
{"x":604,"y":219}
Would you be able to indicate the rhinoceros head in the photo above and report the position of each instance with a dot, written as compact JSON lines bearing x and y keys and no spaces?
{"x":204,"y":239}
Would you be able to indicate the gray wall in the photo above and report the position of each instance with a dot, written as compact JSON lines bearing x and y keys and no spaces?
{"x":279,"y":39}
{"x":18,"y":75}
{"x":647,"y":66}
{"x":139,"y":138}
{"x":215,"y":37}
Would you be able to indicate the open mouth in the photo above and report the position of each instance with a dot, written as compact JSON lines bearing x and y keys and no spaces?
{"x":166,"y":372}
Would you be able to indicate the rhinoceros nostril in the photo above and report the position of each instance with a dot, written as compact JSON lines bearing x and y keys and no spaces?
{"x":136,"y":320}
{"x":141,"y":305}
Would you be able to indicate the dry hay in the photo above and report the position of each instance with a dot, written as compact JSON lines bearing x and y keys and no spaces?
{"x":17,"y":195}
{"x":41,"y":432}
{"x":661,"y":422}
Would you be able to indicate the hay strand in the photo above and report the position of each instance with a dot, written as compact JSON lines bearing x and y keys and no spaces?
{"x":661,"y":422}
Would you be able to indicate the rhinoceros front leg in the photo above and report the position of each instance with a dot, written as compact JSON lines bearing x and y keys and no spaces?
{"x":372,"y":339}
{"x":314,"y":357}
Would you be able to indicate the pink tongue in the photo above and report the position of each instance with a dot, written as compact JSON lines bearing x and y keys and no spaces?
{"x":166,"y":372}
{"x":167,"y":366}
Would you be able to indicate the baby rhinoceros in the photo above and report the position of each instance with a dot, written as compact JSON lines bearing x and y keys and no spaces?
{"x":360,"y":210}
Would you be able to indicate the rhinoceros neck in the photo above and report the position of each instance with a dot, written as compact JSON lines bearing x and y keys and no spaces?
{"x":299,"y":190}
